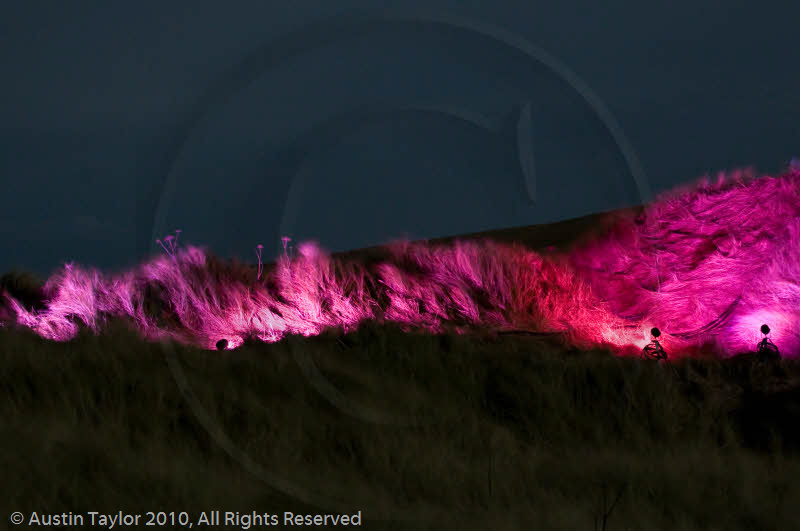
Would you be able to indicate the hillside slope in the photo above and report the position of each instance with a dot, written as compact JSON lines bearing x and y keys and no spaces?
{"x":415,"y":430}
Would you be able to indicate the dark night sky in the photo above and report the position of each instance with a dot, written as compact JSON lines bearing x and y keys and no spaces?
{"x":103,"y":103}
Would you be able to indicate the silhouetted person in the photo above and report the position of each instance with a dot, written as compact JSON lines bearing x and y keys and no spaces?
{"x":654,"y":349}
{"x":766,"y":349}
{"x":222,"y":344}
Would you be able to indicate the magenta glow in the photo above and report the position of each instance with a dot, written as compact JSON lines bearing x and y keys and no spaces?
{"x":708,"y":264}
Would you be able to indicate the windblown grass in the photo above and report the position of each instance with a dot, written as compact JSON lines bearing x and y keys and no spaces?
{"x":707,"y":264}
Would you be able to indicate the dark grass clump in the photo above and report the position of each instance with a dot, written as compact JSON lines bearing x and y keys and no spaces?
{"x":418,"y":431}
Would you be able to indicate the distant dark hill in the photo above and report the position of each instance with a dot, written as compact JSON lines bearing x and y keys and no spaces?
{"x":560,"y":235}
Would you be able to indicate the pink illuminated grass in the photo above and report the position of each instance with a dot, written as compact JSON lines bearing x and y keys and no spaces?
{"x":708,"y":264}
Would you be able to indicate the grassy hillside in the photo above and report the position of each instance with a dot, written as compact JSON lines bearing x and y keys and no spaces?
{"x":416,"y":431}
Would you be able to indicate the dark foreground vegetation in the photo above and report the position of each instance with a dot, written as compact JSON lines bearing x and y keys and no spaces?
{"x":416,"y":431}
